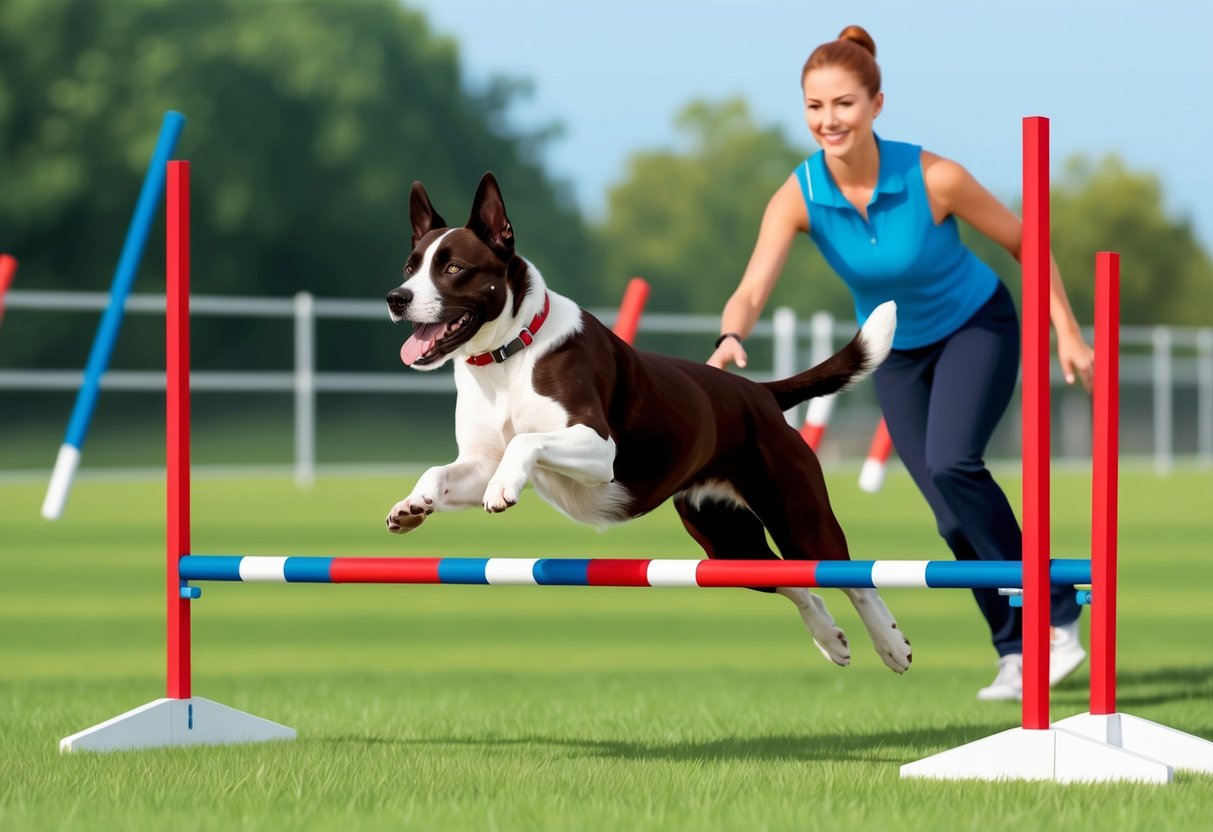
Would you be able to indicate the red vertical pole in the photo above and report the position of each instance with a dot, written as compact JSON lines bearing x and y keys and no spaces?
{"x":1034,"y":258}
{"x":1105,"y":475}
{"x":177,"y":426}
{"x":631,"y":308}
{"x":8,"y":268}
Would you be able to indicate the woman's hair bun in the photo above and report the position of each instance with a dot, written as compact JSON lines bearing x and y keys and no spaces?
{"x":859,"y":35}
{"x":854,"y":51}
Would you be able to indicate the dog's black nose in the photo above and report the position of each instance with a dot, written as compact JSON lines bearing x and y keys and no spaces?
{"x":399,"y":299}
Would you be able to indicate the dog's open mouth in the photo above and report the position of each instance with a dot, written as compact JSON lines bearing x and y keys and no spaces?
{"x":432,"y":341}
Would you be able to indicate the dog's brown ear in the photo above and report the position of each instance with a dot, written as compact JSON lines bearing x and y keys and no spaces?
{"x":489,"y":221}
{"x":422,"y":214}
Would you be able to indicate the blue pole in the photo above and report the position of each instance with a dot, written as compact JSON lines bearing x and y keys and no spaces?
{"x":111,"y":321}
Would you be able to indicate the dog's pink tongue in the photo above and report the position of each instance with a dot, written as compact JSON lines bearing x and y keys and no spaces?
{"x":420,"y":342}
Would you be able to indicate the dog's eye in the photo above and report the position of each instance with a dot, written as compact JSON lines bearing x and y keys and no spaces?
{"x":408,"y":268}
{"x":453,"y":269}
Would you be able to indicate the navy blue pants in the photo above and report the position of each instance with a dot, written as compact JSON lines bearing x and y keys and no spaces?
{"x":942,"y":403}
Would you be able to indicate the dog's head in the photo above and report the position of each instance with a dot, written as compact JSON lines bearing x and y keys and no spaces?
{"x":457,"y":281}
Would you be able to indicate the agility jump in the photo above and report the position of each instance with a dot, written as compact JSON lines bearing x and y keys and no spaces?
{"x":1100,"y":745}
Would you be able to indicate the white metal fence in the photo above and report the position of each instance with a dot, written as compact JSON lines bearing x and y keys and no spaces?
{"x":1161,"y":359}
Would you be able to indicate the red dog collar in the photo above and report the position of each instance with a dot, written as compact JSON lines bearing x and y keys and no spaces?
{"x":524,"y":339}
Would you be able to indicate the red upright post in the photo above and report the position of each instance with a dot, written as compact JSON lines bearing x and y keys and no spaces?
{"x":177,"y":411}
{"x":8,"y":268}
{"x":179,"y":718}
{"x":1104,"y":476}
{"x":630,"y":310}
{"x":1035,"y":260}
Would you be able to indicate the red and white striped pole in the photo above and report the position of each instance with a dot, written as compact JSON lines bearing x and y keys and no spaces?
{"x":817,"y":417}
{"x":816,"y":421}
{"x":1034,"y":259}
{"x":177,"y":368}
{"x":871,"y":475}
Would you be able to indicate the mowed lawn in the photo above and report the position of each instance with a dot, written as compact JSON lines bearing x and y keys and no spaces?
{"x":553,"y":708}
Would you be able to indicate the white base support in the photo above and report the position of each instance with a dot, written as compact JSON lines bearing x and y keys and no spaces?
{"x":173,"y":722}
{"x":871,"y":475}
{"x":1141,"y":736}
{"x":64,"y":472}
{"x":1046,"y":754}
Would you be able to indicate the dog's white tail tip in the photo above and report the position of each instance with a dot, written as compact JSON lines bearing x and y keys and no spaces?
{"x":878,"y":332}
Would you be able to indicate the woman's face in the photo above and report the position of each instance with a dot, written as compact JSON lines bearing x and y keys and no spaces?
{"x":838,"y":109}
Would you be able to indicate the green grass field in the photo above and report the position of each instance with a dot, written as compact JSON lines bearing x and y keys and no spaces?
{"x":558,"y":708}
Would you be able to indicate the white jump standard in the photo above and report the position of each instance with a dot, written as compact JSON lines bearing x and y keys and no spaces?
{"x":1091,"y":746}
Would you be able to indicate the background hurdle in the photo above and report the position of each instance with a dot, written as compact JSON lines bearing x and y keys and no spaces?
{"x":68,"y":458}
{"x":1034,"y":751}
{"x":817,"y":417}
{"x":817,"y":414}
{"x":871,"y":475}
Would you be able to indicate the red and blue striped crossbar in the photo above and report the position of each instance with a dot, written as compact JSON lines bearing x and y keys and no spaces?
{"x":625,"y":572}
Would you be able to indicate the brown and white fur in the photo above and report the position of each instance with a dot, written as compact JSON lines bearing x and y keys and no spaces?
{"x":605,"y":433}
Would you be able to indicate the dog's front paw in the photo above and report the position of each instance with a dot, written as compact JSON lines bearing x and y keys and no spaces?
{"x":408,"y":514}
{"x":501,"y":494}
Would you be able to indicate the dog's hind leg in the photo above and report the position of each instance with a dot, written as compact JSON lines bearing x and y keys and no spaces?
{"x":806,"y":528}
{"x":828,"y":636}
{"x":891,"y":643}
{"x":732,"y":532}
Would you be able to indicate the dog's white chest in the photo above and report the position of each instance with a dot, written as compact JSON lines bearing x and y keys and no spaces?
{"x":506,"y":407}
{"x":497,"y":409}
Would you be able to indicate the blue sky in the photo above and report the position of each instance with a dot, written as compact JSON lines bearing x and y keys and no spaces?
{"x":1133,"y":78}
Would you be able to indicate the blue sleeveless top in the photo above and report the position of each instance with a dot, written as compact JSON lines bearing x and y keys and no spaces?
{"x":898,"y":253}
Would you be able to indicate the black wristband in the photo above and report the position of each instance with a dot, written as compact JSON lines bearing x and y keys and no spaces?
{"x":733,"y":335}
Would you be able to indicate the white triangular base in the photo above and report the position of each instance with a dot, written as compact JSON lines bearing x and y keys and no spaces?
{"x":173,"y":722}
{"x":1141,"y":736}
{"x":1046,"y":754}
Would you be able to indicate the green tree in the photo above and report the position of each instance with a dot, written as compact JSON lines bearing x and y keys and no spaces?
{"x":307,"y":124}
{"x":1100,"y":205}
{"x":687,"y":219}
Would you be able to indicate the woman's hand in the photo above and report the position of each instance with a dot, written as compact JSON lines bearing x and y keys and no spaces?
{"x":1077,"y":359}
{"x":729,"y":352}
{"x":783,"y":220}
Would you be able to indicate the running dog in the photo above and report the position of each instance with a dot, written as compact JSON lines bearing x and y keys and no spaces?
{"x":605,"y":433}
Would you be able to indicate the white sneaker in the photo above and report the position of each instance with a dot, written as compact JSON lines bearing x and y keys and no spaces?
{"x":1065,"y":651}
{"x":1008,"y":684}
